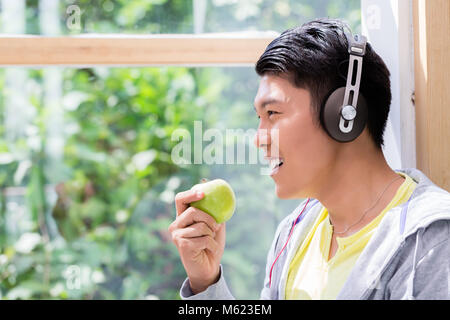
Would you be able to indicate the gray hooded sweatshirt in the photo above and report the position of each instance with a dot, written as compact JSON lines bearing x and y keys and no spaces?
{"x":408,"y":256}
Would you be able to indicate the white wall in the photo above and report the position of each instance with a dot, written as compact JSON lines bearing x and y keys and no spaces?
{"x":388,"y":27}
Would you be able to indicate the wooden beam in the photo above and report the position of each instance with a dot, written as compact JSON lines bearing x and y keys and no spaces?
{"x":432,"y":88}
{"x":133,"y":50}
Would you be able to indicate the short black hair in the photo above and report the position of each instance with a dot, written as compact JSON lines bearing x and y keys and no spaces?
{"x":315,"y":57}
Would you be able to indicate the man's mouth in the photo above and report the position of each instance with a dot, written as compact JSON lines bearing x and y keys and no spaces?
{"x":275,"y":165}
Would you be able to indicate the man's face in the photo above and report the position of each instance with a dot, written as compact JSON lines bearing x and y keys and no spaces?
{"x":305,"y":149}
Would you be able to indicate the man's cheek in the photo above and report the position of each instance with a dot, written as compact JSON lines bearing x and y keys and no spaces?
{"x":275,"y":142}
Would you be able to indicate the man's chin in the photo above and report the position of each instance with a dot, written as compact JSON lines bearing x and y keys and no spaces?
{"x":284,"y":194}
{"x":287,"y":194}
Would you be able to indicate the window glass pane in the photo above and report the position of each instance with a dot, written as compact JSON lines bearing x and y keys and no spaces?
{"x":167,"y":16}
{"x":88,"y":178}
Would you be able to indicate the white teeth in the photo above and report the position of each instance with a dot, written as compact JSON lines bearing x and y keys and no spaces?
{"x":275,"y":163}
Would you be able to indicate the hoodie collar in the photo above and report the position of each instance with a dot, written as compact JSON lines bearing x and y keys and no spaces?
{"x":426,"y":205}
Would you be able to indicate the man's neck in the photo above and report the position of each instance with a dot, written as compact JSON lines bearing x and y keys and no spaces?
{"x":354,"y":185}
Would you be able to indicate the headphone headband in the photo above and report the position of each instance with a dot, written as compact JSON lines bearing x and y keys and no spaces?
{"x":357,"y":44}
{"x":357,"y":49}
{"x":344,"y":114}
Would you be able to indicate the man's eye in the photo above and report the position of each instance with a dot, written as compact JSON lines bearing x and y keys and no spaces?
{"x":270,"y":112}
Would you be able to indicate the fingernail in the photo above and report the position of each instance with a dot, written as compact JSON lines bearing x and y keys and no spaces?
{"x":199,"y":194}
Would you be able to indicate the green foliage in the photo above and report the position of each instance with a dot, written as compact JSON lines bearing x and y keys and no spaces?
{"x":106,"y":212}
{"x":92,"y":224}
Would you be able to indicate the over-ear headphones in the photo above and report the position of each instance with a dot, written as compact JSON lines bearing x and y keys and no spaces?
{"x":344,"y":113}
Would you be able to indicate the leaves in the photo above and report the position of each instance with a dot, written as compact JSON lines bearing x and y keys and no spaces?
{"x":94,"y":225}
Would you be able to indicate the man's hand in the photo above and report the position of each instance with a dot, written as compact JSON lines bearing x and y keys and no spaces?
{"x":199,"y":240}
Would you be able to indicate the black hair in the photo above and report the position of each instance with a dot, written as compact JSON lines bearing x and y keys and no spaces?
{"x":315,"y":57}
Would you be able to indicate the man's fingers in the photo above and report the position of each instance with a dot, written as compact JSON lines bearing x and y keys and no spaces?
{"x":183,"y":199}
{"x":208,"y":243}
{"x":196,"y":230}
{"x":193,"y":215}
{"x":199,"y":244}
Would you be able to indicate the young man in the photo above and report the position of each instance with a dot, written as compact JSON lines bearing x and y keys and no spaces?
{"x":365,"y":231}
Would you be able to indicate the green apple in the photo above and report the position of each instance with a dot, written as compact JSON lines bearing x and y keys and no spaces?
{"x":219,"y":200}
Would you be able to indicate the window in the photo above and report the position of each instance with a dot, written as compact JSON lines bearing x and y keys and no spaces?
{"x":86,"y":176}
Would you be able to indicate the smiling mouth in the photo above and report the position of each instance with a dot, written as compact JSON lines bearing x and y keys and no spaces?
{"x":275,"y":165}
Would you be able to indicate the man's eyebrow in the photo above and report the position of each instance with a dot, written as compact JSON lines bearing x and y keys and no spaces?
{"x":267,"y":102}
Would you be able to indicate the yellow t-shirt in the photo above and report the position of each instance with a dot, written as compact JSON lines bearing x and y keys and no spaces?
{"x":311,"y":275}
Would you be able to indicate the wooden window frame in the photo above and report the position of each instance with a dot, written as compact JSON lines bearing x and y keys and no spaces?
{"x":129,"y":50}
{"x":431,"y":22}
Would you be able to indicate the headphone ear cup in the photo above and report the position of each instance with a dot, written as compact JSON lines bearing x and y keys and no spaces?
{"x":331,"y":115}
